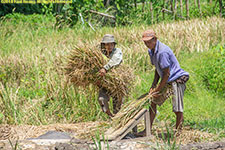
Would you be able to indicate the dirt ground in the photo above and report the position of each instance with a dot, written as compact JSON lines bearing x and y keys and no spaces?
{"x":86,"y":130}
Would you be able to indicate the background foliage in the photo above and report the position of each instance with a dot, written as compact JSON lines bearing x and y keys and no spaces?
{"x":126,"y":12}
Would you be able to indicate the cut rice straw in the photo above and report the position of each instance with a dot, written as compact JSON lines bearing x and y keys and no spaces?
{"x":83,"y":68}
{"x":129,"y":110}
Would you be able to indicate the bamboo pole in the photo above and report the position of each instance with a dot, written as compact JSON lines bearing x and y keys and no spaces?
{"x":187,"y":9}
{"x":181,"y":7}
{"x":199,"y":7}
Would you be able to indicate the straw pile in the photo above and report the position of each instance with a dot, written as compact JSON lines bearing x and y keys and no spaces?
{"x":83,"y":68}
{"x":129,"y":110}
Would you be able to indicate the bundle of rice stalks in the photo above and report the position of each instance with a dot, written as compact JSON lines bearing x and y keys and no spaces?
{"x":83,"y":68}
{"x":129,"y":110}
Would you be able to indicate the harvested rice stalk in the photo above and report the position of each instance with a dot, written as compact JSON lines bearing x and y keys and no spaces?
{"x":129,"y":110}
{"x":84,"y":64}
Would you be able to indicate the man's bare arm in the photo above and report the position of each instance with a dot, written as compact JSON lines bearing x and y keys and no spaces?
{"x":156,"y":79}
{"x":166,"y":75}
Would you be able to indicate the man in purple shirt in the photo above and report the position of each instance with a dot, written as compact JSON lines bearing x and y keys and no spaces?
{"x":173,"y":78}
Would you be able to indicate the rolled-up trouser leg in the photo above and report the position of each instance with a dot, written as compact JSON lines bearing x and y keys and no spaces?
{"x":178,"y":89}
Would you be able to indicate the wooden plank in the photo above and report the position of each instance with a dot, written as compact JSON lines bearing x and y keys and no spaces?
{"x":131,"y":122}
{"x":142,"y":112}
{"x":129,"y":129}
{"x":147,"y":124}
{"x":112,"y":134}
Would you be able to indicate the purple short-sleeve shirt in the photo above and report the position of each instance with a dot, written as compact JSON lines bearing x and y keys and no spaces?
{"x":163,"y":57}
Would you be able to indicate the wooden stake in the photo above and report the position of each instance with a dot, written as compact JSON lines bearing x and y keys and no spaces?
{"x":147,"y":124}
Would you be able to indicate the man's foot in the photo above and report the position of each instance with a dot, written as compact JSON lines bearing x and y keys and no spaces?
{"x":140,"y":134}
{"x":177,"y":132}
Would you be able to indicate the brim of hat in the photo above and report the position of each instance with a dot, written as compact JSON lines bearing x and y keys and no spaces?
{"x":105,"y":42}
{"x":147,"y":38}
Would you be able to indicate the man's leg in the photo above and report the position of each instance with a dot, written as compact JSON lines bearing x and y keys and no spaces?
{"x":103,"y":100}
{"x":152,"y":110}
{"x":179,"y":120}
{"x":178,"y":103}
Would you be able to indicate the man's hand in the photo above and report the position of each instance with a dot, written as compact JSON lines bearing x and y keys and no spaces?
{"x":98,"y":83}
{"x":102,"y":72}
{"x":154,"y":92}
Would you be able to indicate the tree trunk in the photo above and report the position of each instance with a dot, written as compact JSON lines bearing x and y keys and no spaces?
{"x":215,"y":6}
{"x":187,"y":9}
{"x":151,"y":11}
{"x":210,"y":2}
{"x":143,"y":5}
{"x":135,"y":4}
{"x":181,"y":7}
{"x":175,"y":9}
{"x":163,"y":13}
{"x":171,"y":5}
{"x":199,"y":7}
{"x":107,"y":3}
{"x":195,"y":3}
{"x":172,"y":9}
{"x":221,"y":7}
{"x":58,"y":8}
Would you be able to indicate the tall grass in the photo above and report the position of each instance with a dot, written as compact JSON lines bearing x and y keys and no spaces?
{"x":32,"y":82}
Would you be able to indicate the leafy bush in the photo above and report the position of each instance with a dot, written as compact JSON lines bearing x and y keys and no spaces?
{"x":213,"y":69}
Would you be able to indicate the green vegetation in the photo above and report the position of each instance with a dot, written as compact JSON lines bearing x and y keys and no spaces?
{"x":78,"y":12}
{"x":33,"y":87}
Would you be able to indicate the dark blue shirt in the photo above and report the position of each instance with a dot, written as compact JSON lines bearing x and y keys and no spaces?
{"x":163,"y":57}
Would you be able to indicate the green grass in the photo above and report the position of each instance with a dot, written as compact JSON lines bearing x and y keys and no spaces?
{"x":32,"y":82}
